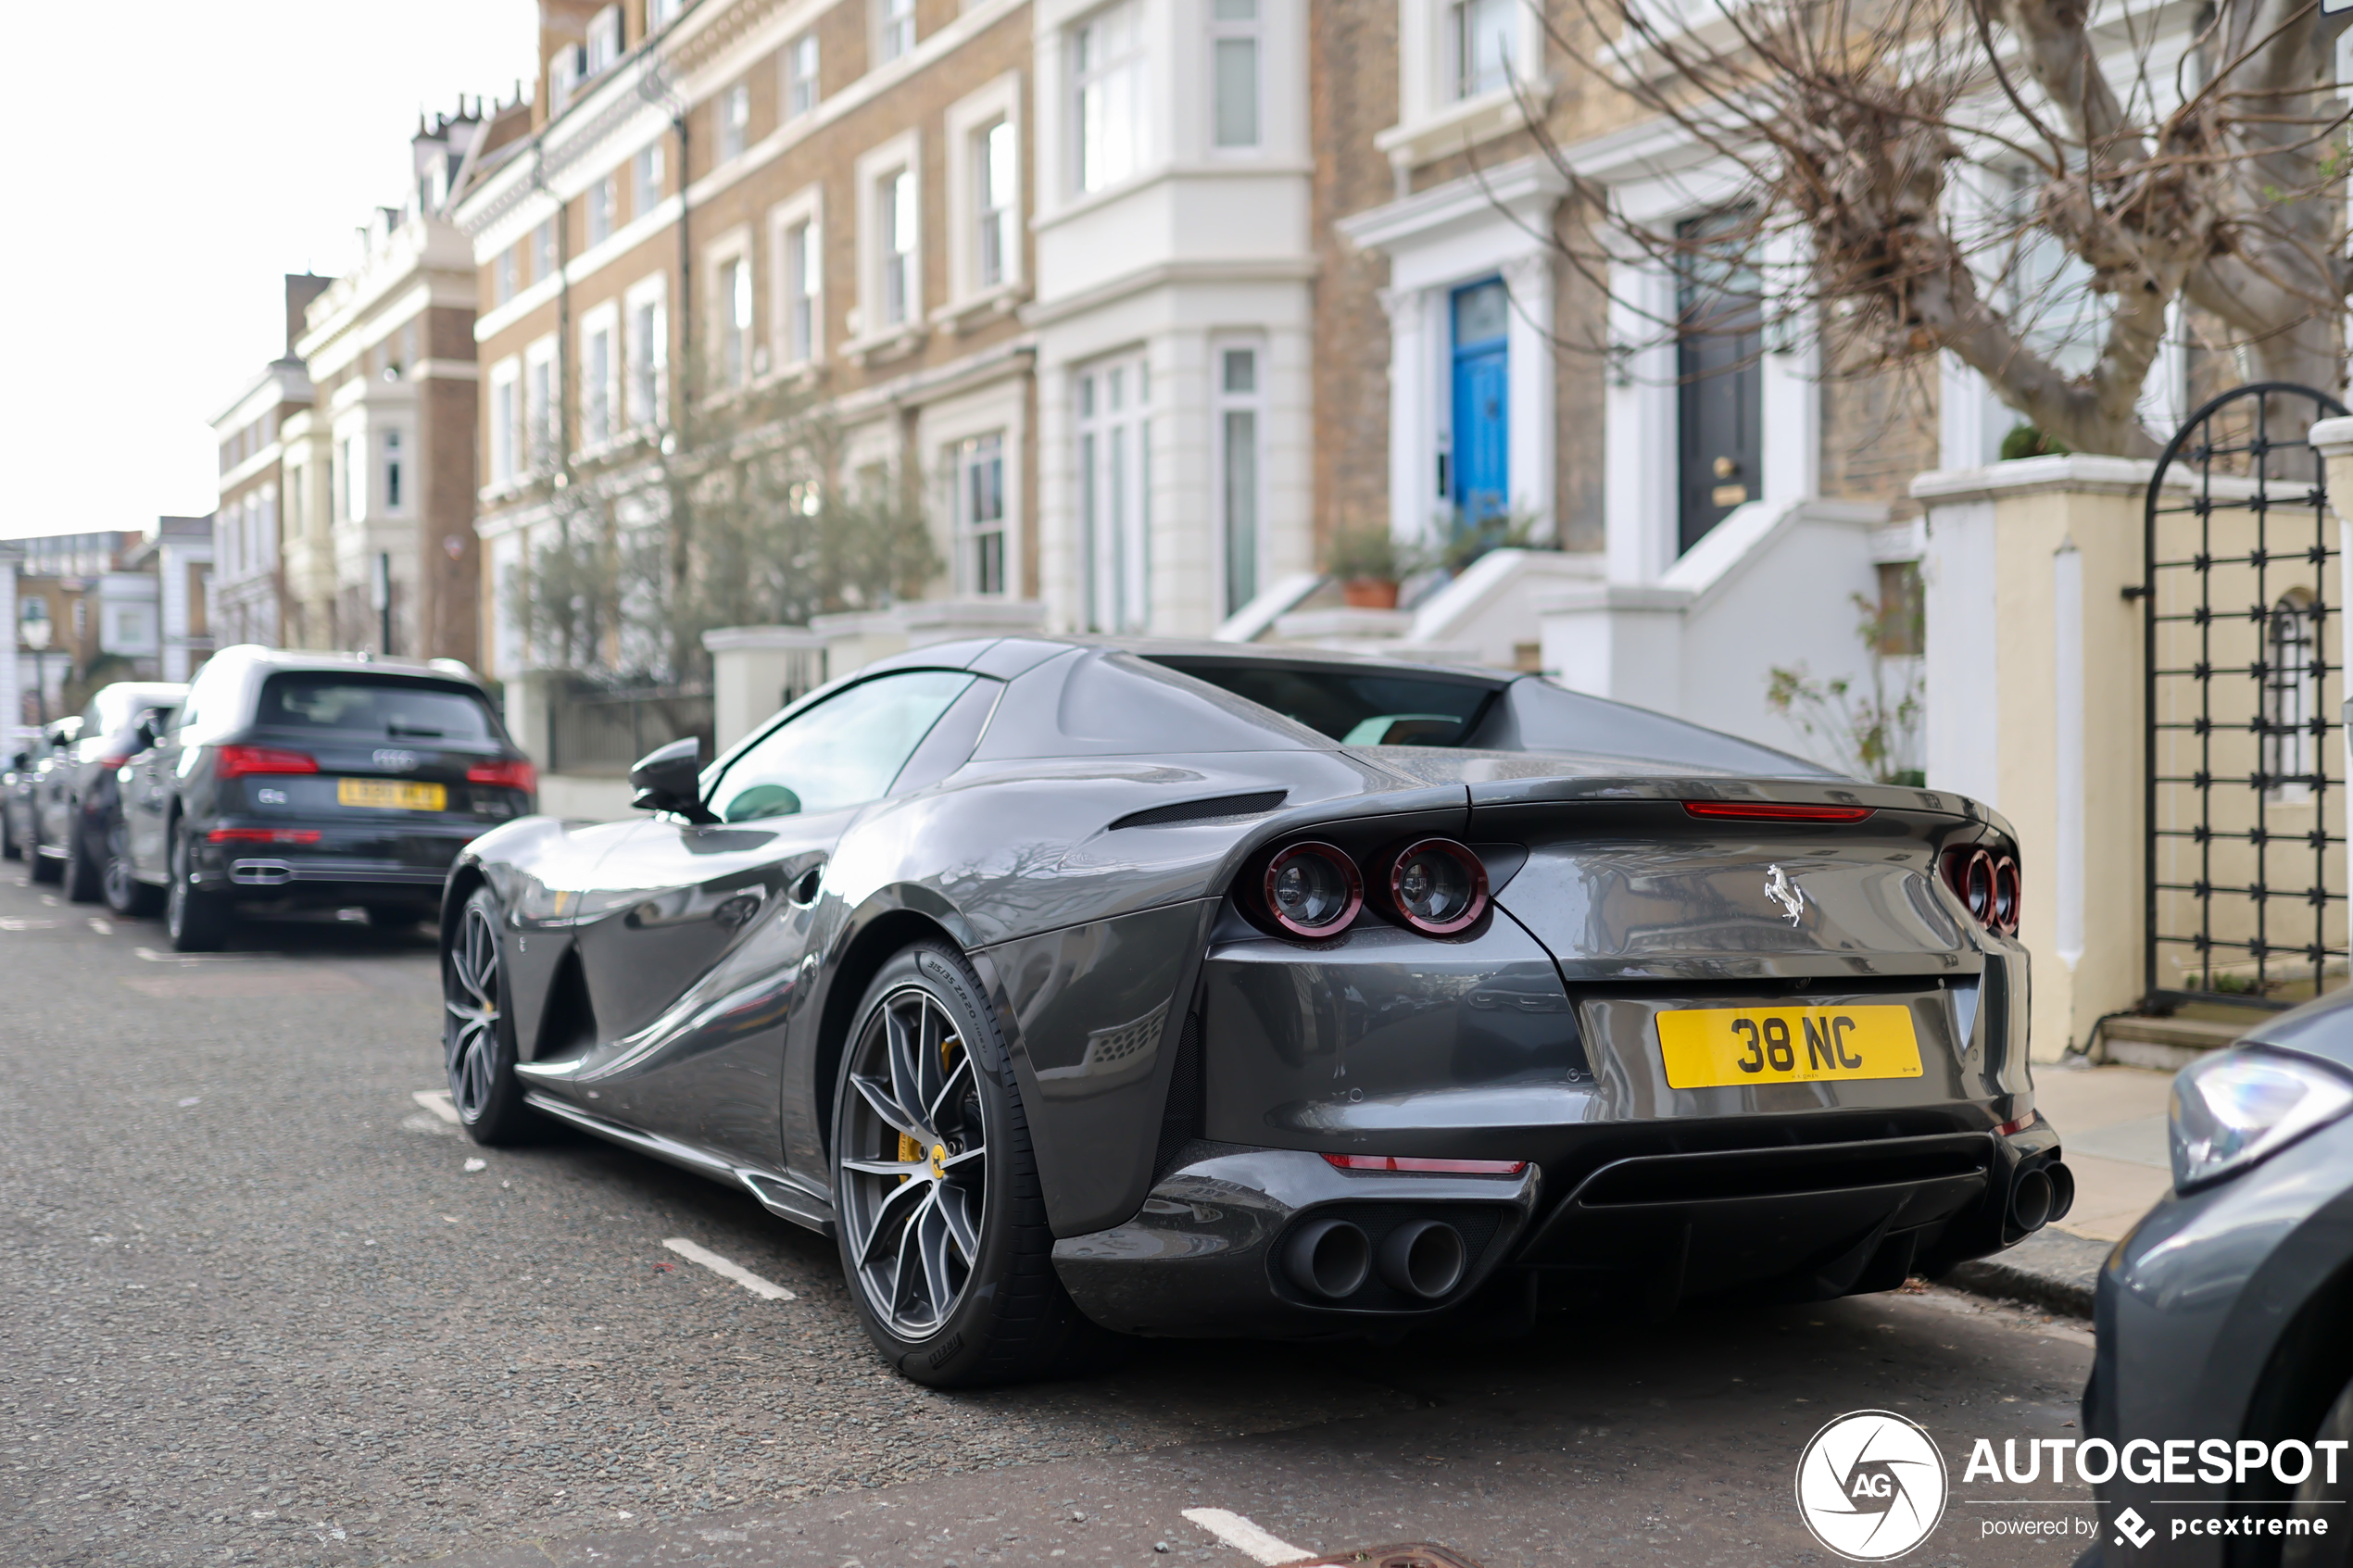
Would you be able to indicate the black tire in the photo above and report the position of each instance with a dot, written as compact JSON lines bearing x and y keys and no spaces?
{"x":44,"y":869}
{"x":193,"y":919}
{"x":119,"y":883}
{"x":9,"y":849}
{"x":478,"y":1029}
{"x":84,"y":871}
{"x":1006,"y":1317}
{"x":395,"y":917}
{"x":2318,"y":1494}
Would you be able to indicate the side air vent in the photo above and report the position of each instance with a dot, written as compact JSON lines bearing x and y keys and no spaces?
{"x":568,"y":1026}
{"x":1221,"y":808}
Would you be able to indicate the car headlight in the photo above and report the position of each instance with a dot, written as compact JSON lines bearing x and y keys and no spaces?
{"x":2238,"y":1107}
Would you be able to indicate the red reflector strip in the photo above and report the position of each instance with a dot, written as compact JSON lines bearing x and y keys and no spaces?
{"x":2011,"y":1129}
{"x":263,"y":836}
{"x":1428,"y":1167}
{"x":1776,"y":812}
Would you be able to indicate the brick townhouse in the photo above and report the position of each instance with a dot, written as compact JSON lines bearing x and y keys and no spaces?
{"x":1053,"y":260}
{"x":380,"y":474}
{"x":256,"y":575}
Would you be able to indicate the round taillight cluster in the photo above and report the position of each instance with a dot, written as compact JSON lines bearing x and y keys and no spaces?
{"x":1433,"y":885}
{"x":1988,"y":882}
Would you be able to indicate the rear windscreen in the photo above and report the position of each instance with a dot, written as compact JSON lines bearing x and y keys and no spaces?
{"x":373,"y":706}
{"x":1353,"y":707}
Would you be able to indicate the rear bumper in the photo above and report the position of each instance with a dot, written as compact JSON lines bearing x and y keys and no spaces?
{"x":1211,"y":1252}
{"x":408,"y":859}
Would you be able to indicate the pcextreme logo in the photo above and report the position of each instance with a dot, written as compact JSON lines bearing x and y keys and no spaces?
{"x":1871,"y":1486}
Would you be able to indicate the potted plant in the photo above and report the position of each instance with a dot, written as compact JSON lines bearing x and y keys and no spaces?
{"x":1369,"y":565}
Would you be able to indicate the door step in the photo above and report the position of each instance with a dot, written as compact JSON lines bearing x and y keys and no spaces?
{"x":2167,"y":1043}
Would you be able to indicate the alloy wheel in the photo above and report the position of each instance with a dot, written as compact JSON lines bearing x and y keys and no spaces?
{"x":914,"y":1164}
{"x":473,"y":1000}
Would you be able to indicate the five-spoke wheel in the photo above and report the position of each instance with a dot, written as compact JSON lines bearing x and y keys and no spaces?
{"x":478,"y":1040}
{"x":915,"y":1165}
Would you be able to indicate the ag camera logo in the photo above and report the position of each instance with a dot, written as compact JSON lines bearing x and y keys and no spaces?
{"x":1871,"y":1486}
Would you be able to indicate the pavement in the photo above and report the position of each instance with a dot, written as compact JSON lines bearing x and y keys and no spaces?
{"x":264,"y":1304}
{"x":2111,"y":1124}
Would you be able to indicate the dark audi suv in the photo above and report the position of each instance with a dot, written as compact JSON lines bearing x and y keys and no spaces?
{"x":308,"y":779}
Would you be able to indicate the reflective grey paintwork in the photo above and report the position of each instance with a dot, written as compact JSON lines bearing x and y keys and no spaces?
{"x":720,"y":972}
{"x":2224,"y":1314}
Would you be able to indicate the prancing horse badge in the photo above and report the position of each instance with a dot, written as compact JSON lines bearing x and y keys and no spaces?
{"x":1782,"y":891}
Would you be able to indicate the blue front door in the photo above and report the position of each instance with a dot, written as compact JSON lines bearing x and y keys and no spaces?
{"x":1481,"y":477}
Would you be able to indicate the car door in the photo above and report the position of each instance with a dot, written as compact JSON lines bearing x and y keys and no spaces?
{"x":694,"y":975}
{"x":147,"y":799}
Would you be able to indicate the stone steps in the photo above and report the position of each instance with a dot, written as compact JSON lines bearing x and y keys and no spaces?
{"x":2167,"y":1044}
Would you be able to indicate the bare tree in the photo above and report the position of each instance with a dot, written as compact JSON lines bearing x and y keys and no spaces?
{"x":735,"y":512}
{"x":2047,"y":189}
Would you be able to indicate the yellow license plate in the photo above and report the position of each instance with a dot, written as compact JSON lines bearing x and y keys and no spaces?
{"x":392,"y":792}
{"x":1714,"y":1048}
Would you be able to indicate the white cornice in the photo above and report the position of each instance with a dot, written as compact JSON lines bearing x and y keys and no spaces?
{"x":1273,"y":269}
{"x":284,"y":378}
{"x":420,"y":246}
{"x":1515,"y":188}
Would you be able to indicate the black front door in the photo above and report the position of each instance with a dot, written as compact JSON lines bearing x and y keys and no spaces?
{"x":1719,"y":375}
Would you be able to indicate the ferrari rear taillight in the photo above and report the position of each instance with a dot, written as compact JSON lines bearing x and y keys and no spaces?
{"x":1988,"y":884}
{"x":1774,"y":811}
{"x":1427,"y":1167}
{"x":237,"y":761}
{"x":1437,"y":886}
{"x":1313,"y":890}
{"x":515,"y":773}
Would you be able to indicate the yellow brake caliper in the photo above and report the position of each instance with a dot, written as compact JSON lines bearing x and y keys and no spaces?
{"x":910,"y":1151}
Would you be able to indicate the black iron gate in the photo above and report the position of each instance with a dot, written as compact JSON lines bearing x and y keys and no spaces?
{"x":2245,"y":865}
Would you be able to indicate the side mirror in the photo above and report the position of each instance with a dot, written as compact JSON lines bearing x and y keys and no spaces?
{"x":668,"y":779}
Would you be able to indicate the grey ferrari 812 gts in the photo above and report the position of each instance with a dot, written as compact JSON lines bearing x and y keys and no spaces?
{"x":1083,"y":988}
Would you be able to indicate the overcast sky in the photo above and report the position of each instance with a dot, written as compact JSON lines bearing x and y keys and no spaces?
{"x":151,"y":222}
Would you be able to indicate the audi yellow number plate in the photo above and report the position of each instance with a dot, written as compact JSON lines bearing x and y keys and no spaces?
{"x":1713,"y":1047}
{"x":393,"y":793}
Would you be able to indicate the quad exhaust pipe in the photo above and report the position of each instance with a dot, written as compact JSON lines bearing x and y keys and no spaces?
{"x":2042,"y":1195}
{"x":1332,"y":1259}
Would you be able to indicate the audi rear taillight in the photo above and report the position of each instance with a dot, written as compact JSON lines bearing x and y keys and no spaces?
{"x":1313,"y":890}
{"x":1437,"y":887}
{"x":514,"y":774}
{"x":262,"y":836}
{"x":238,"y":761}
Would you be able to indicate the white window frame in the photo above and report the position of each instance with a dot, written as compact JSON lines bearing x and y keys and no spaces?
{"x":968,"y":121}
{"x":542,"y":388}
{"x":794,"y":285}
{"x":733,"y":310}
{"x":1225,"y":400}
{"x":358,"y":477}
{"x":603,"y":45}
{"x":646,"y":177}
{"x":1432,"y":120}
{"x":661,"y":12}
{"x":1242,"y":27}
{"x":502,"y":275}
{"x":396,"y":474}
{"x":803,"y":86}
{"x":601,"y":423}
{"x":544,"y":250}
{"x":894,"y":29}
{"x":1112,"y":425}
{"x":648,"y":396}
{"x":733,"y":116}
{"x":901,"y":153}
{"x":504,"y":411}
{"x":1104,"y":78}
{"x":962,"y":458}
{"x":603,"y":204}
{"x":1463,"y":19}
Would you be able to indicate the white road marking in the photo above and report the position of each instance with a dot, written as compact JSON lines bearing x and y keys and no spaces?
{"x":152,"y":956}
{"x":1246,"y":1537}
{"x":18,"y":922}
{"x":765,"y":1289}
{"x":438,"y":1102}
{"x":102,"y":926}
{"x":474,"y":1165}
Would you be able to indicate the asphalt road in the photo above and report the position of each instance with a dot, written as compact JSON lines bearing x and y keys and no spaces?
{"x":257,"y":1309}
